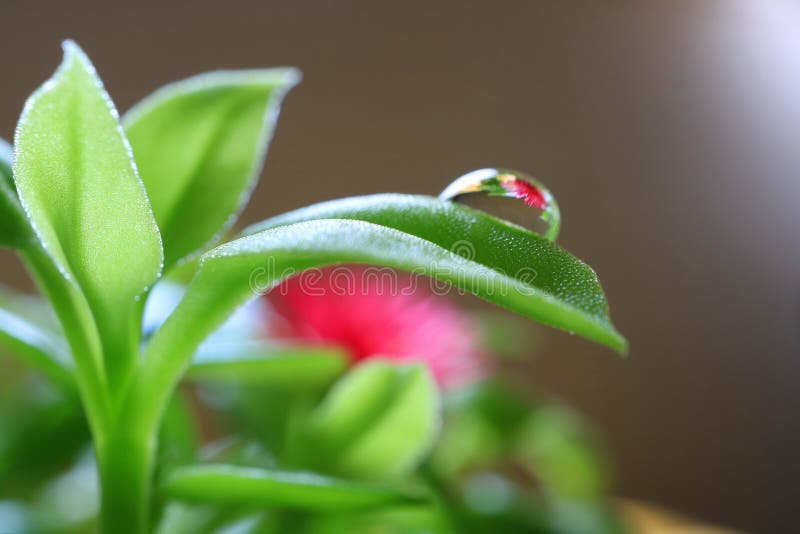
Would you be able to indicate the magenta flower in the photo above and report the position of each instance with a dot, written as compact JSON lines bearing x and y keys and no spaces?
{"x":374,"y":312}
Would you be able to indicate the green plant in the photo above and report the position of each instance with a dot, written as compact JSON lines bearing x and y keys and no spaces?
{"x":99,"y":209}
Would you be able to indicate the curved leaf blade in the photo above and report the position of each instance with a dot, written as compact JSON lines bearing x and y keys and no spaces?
{"x":405,"y":433}
{"x":288,"y":365}
{"x":348,"y":409}
{"x":377,"y":422}
{"x":509,"y":249}
{"x":227,"y":484}
{"x":14,"y":227}
{"x":234,"y":272}
{"x":199,"y":144}
{"x":77,"y":182}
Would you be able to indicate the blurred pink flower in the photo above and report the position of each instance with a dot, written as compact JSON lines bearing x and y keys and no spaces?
{"x":527,"y":192}
{"x":374,"y":312}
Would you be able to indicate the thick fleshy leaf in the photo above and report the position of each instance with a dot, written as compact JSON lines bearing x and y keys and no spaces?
{"x":233,"y":273}
{"x":405,"y":432}
{"x":199,"y":145}
{"x":352,"y":405}
{"x":14,"y":227}
{"x":376,"y":422}
{"x":568,"y":289}
{"x":77,"y":182}
{"x":277,"y":365}
{"x":226,"y":484}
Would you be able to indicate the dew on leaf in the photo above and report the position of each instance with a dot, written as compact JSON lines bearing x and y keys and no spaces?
{"x":509,"y":195}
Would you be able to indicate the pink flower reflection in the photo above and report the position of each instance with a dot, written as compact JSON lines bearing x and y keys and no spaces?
{"x":374,"y":312}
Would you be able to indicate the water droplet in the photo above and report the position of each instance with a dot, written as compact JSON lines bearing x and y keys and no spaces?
{"x":509,"y":195}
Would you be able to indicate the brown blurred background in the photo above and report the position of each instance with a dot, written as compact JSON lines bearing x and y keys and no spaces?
{"x":669,"y":131}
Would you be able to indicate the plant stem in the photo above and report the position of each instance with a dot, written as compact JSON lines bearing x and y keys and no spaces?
{"x":79,"y":328}
{"x":125,"y":464}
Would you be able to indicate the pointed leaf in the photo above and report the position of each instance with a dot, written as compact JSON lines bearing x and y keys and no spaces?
{"x":226,"y":484}
{"x":199,"y":144}
{"x":377,"y":422}
{"x":354,"y":403}
{"x":233,"y":273}
{"x":552,"y":273}
{"x":399,"y":439}
{"x":78,"y":184}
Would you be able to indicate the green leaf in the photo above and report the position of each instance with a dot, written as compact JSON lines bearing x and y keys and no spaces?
{"x":352,"y":405}
{"x":560,"y":452}
{"x":405,"y":432}
{"x":14,"y":227}
{"x":234,"y":272}
{"x":379,"y":421}
{"x":40,"y":433}
{"x":183,"y":518}
{"x":77,"y":182}
{"x":199,"y":145}
{"x":392,"y":520}
{"x":562,"y":291}
{"x":281,"y":365}
{"x":38,"y":348}
{"x":490,"y":425}
{"x":178,"y":439}
{"x":226,"y":484}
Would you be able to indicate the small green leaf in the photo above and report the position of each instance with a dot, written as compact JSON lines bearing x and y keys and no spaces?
{"x":286,"y":365}
{"x":226,"y":484}
{"x":351,"y":406}
{"x":199,"y":145}
{"x":14,"y":227}
{"x":38,"y":348}
{"x":77,"y":182}
{"x":568,"y":291}
{"x":379,"y":421}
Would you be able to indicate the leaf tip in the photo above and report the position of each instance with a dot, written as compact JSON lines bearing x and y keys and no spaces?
{"x":291,"y":77}
{"x":620,"y":345}
{"x":69,"y":46}
{"x":74,"y":56}
{"x":72,"y":51}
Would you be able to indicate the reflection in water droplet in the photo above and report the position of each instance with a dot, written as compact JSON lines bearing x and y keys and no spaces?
{"x":509,"y":195}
